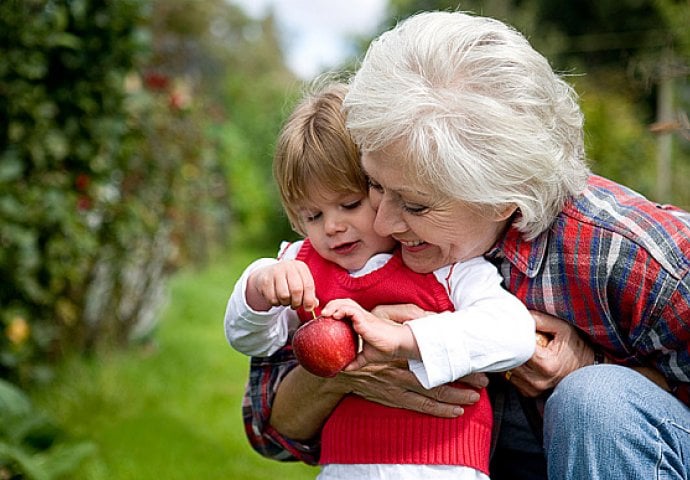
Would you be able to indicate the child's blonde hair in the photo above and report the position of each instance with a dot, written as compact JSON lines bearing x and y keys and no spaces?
{"x":315,"y":152}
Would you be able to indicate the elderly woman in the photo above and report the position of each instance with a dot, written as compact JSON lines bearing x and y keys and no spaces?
{"x":473,"y":146}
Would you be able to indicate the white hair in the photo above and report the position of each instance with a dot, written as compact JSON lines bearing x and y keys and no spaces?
{"x":481,"y":115}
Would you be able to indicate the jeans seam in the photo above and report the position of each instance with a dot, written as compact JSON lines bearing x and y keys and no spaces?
{"x":668,"y":423}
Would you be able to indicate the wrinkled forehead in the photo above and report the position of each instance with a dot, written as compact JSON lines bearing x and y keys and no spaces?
{"x":392,"y":166}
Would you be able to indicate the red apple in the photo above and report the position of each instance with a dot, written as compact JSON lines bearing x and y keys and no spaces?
{"x":324,"y":345}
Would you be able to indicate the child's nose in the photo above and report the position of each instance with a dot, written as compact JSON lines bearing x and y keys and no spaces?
{"x":334,"y":224}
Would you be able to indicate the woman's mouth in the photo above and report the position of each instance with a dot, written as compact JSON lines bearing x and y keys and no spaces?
{"x":413,"y":247}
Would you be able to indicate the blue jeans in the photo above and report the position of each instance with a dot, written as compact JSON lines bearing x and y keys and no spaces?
{"x":607,"y":422}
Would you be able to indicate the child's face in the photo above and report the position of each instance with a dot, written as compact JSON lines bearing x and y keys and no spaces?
{"x":340,"y":227}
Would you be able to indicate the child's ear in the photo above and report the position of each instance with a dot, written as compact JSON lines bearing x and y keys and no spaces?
{"x":505,"y":212}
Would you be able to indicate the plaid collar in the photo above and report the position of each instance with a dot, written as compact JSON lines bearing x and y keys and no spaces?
{"x":527,"y":256}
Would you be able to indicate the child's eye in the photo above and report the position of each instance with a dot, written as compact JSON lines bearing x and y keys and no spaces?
{"x":312,"y":217}
{"x":352,"y":205}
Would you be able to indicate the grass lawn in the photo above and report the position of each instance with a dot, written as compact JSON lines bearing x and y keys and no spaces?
{"x":171,"y":411}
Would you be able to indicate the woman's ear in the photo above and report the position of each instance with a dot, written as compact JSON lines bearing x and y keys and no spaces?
{"x":505,"y":212}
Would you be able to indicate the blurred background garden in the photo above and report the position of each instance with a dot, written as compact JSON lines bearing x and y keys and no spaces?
{"x":136,"y":138}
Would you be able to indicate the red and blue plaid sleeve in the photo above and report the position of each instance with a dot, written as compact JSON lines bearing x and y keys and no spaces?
{"x":673,"y":341}
{"x":627,"y":285}
{"x":265,"y":374}
{"x":617,"y":267}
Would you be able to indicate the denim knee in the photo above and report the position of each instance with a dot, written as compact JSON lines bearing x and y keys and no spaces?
{"x":610,"y":422}
{"x":590,"y":395}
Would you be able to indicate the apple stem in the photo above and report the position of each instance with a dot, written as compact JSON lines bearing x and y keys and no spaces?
{"x":313,"y":313}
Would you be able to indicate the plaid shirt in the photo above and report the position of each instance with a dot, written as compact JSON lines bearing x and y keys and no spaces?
{"x":613,"y":264}
{"x":265,"y":374}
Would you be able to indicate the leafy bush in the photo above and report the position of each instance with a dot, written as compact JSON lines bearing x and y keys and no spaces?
{"x":618,"y":143}
{"x":107,"y":181}
{"x":62,"y":124}
{"x":31,"y":445}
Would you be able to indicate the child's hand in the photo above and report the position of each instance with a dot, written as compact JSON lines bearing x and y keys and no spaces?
{"x":384,"y":340}
{"x":287,"y":283}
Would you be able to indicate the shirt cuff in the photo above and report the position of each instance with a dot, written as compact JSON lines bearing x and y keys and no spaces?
{"x":444,"y":356}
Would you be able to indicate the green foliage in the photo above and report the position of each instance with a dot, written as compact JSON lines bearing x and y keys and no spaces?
{"x":170,"y":409}
{"x":238,"y":64}
{"x":31,"y":445}
{"x":61,"y":127}
{"x":258,"y":95}
{"x":618,"y":144}
{"x":108,"y":180}
{"x":248,"y":151}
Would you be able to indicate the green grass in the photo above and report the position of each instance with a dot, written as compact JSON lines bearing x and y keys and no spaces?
{"x":171,"y":411}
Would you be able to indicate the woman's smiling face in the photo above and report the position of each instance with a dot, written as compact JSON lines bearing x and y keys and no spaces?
{"x":433,"y":230}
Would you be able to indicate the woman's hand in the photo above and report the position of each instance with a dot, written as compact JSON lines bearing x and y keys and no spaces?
{"x":565,"y":352}
{"x":400,"y":312}
{"x":389,"y":384}
{"x":392,"y":384}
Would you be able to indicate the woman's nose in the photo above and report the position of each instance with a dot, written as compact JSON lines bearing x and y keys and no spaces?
{"x":375,"y":198}
{"x":388,"y":220}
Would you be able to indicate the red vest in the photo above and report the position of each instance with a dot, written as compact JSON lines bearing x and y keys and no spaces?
{"x":361,"y":431}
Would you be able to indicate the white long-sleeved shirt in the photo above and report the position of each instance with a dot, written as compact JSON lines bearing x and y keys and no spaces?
{"x":490,"y":330}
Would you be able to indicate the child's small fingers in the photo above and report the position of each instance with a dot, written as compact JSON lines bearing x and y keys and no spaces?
{"x":310,"y":305}
{"x":305,"y":290}
{"x":283,"y":291}
{"x":341,"y":307}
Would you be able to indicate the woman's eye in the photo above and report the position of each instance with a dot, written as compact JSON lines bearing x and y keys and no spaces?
{"x":415,"y":209}
{"x":374,"y":186}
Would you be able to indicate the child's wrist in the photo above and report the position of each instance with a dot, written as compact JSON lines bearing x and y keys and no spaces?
{"x":255,"y":301}
{"x":408,"y":344}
